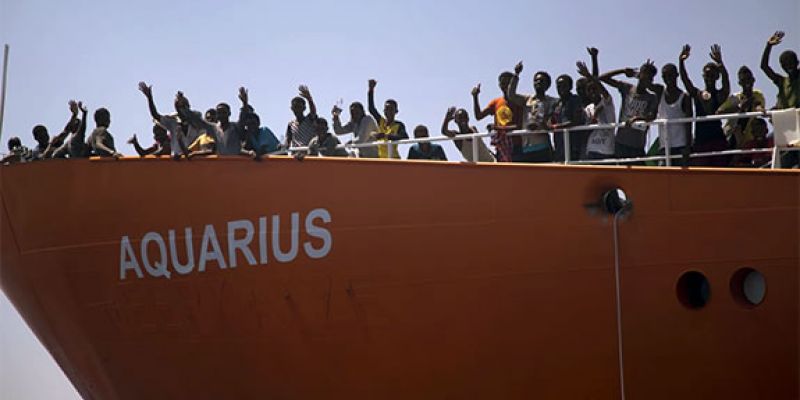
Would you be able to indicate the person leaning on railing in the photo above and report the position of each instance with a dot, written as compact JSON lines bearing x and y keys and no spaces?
{"x":788,"y":86}
{"x":17,"y":153}
{"x":759,"y":140}
{"x":160,"y":147}
{"x":361,"y":125}
{"x":324,"y":143}
{"x":101,"y":140}
{"x":58,"y":146}
{"x":465,"y":146}
{"x":425,"y":150}
{"x":258,"y":139}
{"x":740,"y":131}
{"x":183,"y":132}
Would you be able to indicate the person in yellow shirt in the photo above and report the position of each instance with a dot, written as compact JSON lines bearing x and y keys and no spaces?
{"x":389,"y":129}
{"x":204,"y":145}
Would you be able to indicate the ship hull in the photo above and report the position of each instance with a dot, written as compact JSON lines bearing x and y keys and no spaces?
{"x":388,"y":279}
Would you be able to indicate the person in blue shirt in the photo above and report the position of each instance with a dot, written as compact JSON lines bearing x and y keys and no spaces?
{"x":425,"y":150}
{"x":258,"y":139}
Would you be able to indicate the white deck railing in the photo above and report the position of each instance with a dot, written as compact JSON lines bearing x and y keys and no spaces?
{"x":666,"y":157}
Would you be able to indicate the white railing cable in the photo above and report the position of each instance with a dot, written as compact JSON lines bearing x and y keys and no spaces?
{"x":618,"y":292}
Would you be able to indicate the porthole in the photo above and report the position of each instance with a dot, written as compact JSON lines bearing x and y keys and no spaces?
{"x":614,"y":201}
{"x":693,"y":290}
{"x":748,"y":287}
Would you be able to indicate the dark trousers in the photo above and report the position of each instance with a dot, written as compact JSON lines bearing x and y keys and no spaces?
{"x":539,"y":156}
{"x":625,"y":151}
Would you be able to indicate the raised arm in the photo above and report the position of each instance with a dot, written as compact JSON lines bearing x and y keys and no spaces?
{"x":584,"y":71}
{"x":593,"y":52}
{"x":338,"y":128}
{"x":371,"y":100}
{"x":774,"y":40}
{"x":82,"y":127}
{"x":306,"y":94}
{"x":657,"y":89}
{"x":716,"y":55}
{"x":476,"y":104}
{"x":73,"y":108}
{"x":148,"y":93}
{"x":608,"y":77}
{"x":512,"y":95}
{"x":58,"y":140}
{"x":449,"y":116}
{"x":246,"y":108}
{"x":687,"y":82}
{"x":139,"y":149}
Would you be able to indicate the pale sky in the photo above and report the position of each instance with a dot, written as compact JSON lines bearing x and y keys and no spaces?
{"x":425,"y":54}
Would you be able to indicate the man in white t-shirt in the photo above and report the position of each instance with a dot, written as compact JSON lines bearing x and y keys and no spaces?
{"x":361,"y":125}
{"x":600,"y":143}
{"x":461,"y":118}
{"x":674,"y":103}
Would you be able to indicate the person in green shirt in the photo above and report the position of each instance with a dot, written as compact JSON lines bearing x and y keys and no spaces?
{"x":788,"y":86}
{"x":748,"y":100}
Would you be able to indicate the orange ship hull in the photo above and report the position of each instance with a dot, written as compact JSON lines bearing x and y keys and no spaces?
{"x":400,"y":279}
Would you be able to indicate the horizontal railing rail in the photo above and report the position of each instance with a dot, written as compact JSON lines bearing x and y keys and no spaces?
{"x":666,"y":157}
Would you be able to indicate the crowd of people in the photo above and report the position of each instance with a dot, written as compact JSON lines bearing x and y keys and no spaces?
{"x":189,"y":133}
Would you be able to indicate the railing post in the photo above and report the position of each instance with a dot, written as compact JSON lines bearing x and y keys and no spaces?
{"x":566,"y":147}
{"x":667,"y":146}
{"x":474,"y":149}
{"x":389,"y":148}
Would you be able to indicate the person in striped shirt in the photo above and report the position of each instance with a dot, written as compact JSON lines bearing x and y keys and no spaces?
{"x":300,"y":130}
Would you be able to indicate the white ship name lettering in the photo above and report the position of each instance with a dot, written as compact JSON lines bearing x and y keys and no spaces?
{"x":160,"y":258}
